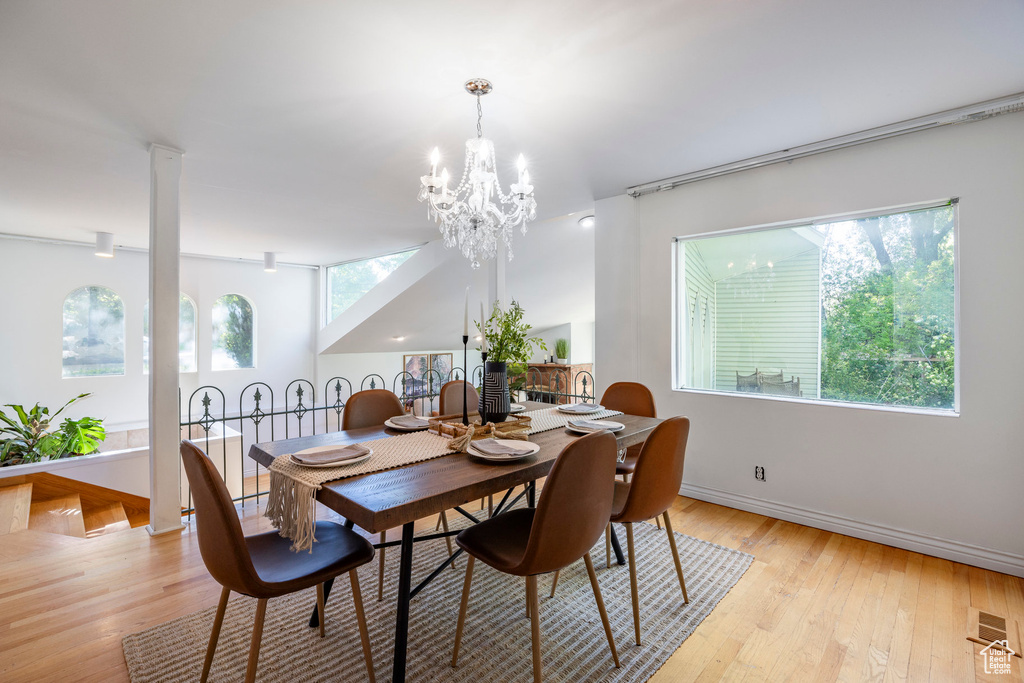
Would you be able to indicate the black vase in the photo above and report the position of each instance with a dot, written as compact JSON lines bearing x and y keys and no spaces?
{"x":496,"y":403}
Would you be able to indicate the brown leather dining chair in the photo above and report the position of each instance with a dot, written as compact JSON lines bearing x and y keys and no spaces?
{"x":631,"y":398}
{"x":449,"y":401}
{"x":650,"y":493}
{"x":570,"y":515}
{"x":263,"y":566}
{"x":370,"y":408}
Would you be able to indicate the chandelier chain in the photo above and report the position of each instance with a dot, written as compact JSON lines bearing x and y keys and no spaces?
{"x":479,"y":118}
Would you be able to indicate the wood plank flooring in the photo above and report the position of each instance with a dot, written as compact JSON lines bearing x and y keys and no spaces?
{"x":814,"y":606}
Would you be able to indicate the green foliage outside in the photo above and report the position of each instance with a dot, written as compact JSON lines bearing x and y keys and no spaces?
{"x":26,"y":437}
{"x":888,"y":310}
{"x":236,"y":334}
{"x":348,"y":282}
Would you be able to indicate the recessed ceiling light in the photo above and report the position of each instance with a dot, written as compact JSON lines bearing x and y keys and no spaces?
{"x":478,"y":337}
{"x":399,"y":338}
{"x":587,"y":221}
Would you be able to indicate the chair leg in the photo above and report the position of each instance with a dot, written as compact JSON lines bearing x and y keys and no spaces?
{"x":218,"y":621}
{"x":632,"y":582}
{"x":657,"y":520}
{"x":600,"y":608}
{"x":462,"y":609}
{"x":320,"y":607}
{"x":490,"y":505}
{"x":554,"y":583}
{"x":438,"y":525}
{"x":380,"y":569}
{"x":364,"y":635}
{"x":675,"y":556}
{"x":447,"y":539}
{"x":608,"y":545}
{"x":257,"y":635}
{"x":531,"y":592}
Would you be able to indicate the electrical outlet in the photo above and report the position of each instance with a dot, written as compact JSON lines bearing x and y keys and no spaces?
{"x":759,"y":473}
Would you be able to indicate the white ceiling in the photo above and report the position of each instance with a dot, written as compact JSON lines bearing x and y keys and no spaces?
{"x":307,"y":124}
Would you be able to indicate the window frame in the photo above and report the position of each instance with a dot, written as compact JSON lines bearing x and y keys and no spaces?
{"x":678,"y":340}
{"x":325,"y":285}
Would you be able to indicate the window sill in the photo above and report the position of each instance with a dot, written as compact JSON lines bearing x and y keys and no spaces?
{"x":933,"y":412}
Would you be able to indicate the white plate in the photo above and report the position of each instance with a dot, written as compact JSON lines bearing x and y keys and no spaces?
{"x":319,"y":449}
{"x":511,"y":443}
{"x":596,"y":408}
{"x":611,"y":427}
{"x":516,"y":408}
{"x":400,"y":428}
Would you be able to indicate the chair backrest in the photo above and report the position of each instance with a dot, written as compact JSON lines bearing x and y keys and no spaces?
{"x":748,"y":382}
{"x":631,"y":398}
{"x":574,"y":505}
{"x":370,"y":408}
{"x":221,"y":541}
{"x":659,"y":471}
{"x":450,"y":399}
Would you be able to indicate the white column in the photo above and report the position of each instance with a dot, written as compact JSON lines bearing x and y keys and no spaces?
{"x":164,"y":253}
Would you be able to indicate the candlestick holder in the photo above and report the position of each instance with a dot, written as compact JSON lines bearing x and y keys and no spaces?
{"x":483,"y":388}
{"x":465,"y":383}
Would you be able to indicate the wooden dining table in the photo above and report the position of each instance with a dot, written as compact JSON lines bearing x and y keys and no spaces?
{"x":398,"y":497}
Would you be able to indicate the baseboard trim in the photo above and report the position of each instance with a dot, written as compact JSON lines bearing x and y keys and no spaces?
{"x":957,"y":551}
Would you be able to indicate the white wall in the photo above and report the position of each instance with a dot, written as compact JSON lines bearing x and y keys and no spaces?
{"x":949,"y":486}
{"x":35,"y":277}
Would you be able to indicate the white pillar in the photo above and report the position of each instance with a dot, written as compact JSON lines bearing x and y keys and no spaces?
{"x":164,"y":253}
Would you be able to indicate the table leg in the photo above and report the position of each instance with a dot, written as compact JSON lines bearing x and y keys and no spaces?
{"x":619,"y":558}
{"x":314,"y":621}
{"x":402,"y":619}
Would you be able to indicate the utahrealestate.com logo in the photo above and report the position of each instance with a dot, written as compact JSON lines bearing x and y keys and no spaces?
{"x":997,"y":657}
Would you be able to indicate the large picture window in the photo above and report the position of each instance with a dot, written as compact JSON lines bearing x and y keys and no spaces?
{"x":349,"y":282}
{"x":234,"y":333}
{"x":93,"y":340}
{"x":858,"y":309}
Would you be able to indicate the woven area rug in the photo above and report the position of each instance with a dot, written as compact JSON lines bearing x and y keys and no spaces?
{"x":496,"y":642}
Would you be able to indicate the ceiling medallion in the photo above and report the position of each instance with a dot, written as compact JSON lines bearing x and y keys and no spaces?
{"x":476,"y":213}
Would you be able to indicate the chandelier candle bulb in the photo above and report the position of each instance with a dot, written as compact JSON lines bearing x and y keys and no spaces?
{"x":435,"y":156}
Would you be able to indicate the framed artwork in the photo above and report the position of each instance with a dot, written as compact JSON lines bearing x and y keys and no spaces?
{"x":441,"y":364}
{"x":416,"y":365}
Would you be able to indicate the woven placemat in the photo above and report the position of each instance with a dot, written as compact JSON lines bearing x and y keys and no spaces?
{"x":546,"y":419}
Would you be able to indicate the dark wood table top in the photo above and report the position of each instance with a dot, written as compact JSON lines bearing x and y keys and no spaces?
{"x":384,"y":500}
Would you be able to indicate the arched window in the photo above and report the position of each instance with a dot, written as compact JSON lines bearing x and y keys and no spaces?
{"x":93,"y":341}
{"x":234,"y":333}
{"x":186,"y":335}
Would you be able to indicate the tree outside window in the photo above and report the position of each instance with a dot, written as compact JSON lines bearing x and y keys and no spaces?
{"x":93,"y":339}
{"x":234,"y":325}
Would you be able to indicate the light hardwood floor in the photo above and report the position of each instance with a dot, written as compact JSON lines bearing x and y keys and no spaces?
{"x":814,"y":606}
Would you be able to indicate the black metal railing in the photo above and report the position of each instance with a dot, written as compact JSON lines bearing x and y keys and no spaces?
{"x":225,"y":435}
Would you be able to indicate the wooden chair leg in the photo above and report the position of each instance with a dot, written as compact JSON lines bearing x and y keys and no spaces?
{"x":675,"y":556}
{"x":437,"y":526}
{"x":554,"y":583}
{"x":447,"y":539}
{"x":320,"y":607}
{"x":657,"y":520}
{"x":364,"y":635}
{"x":600,"y":608}
{"x":490,"y":505}
{"x":462,"y":609}
{"x":632,"y":582}
{"x":380,"y":569}
{"x":531,"y":592}
{"x":257,"y":635}
{"x":608,"y":545}
{"x":218,"y":621}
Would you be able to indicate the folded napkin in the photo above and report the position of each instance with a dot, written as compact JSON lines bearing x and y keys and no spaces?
{"x":591,"y":425}
{"x":339,"y":455}
{"x":580,"y":408}
{"x":492,"y":447}
{"x":410,"y":421}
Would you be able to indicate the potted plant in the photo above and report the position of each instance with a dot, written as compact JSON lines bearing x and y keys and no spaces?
{"x":507,"y":342}
{"x":28,"y":437}
{"x":562,"y":351}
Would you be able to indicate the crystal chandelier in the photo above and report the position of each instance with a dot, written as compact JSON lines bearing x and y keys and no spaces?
{"x":476,"y":212}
